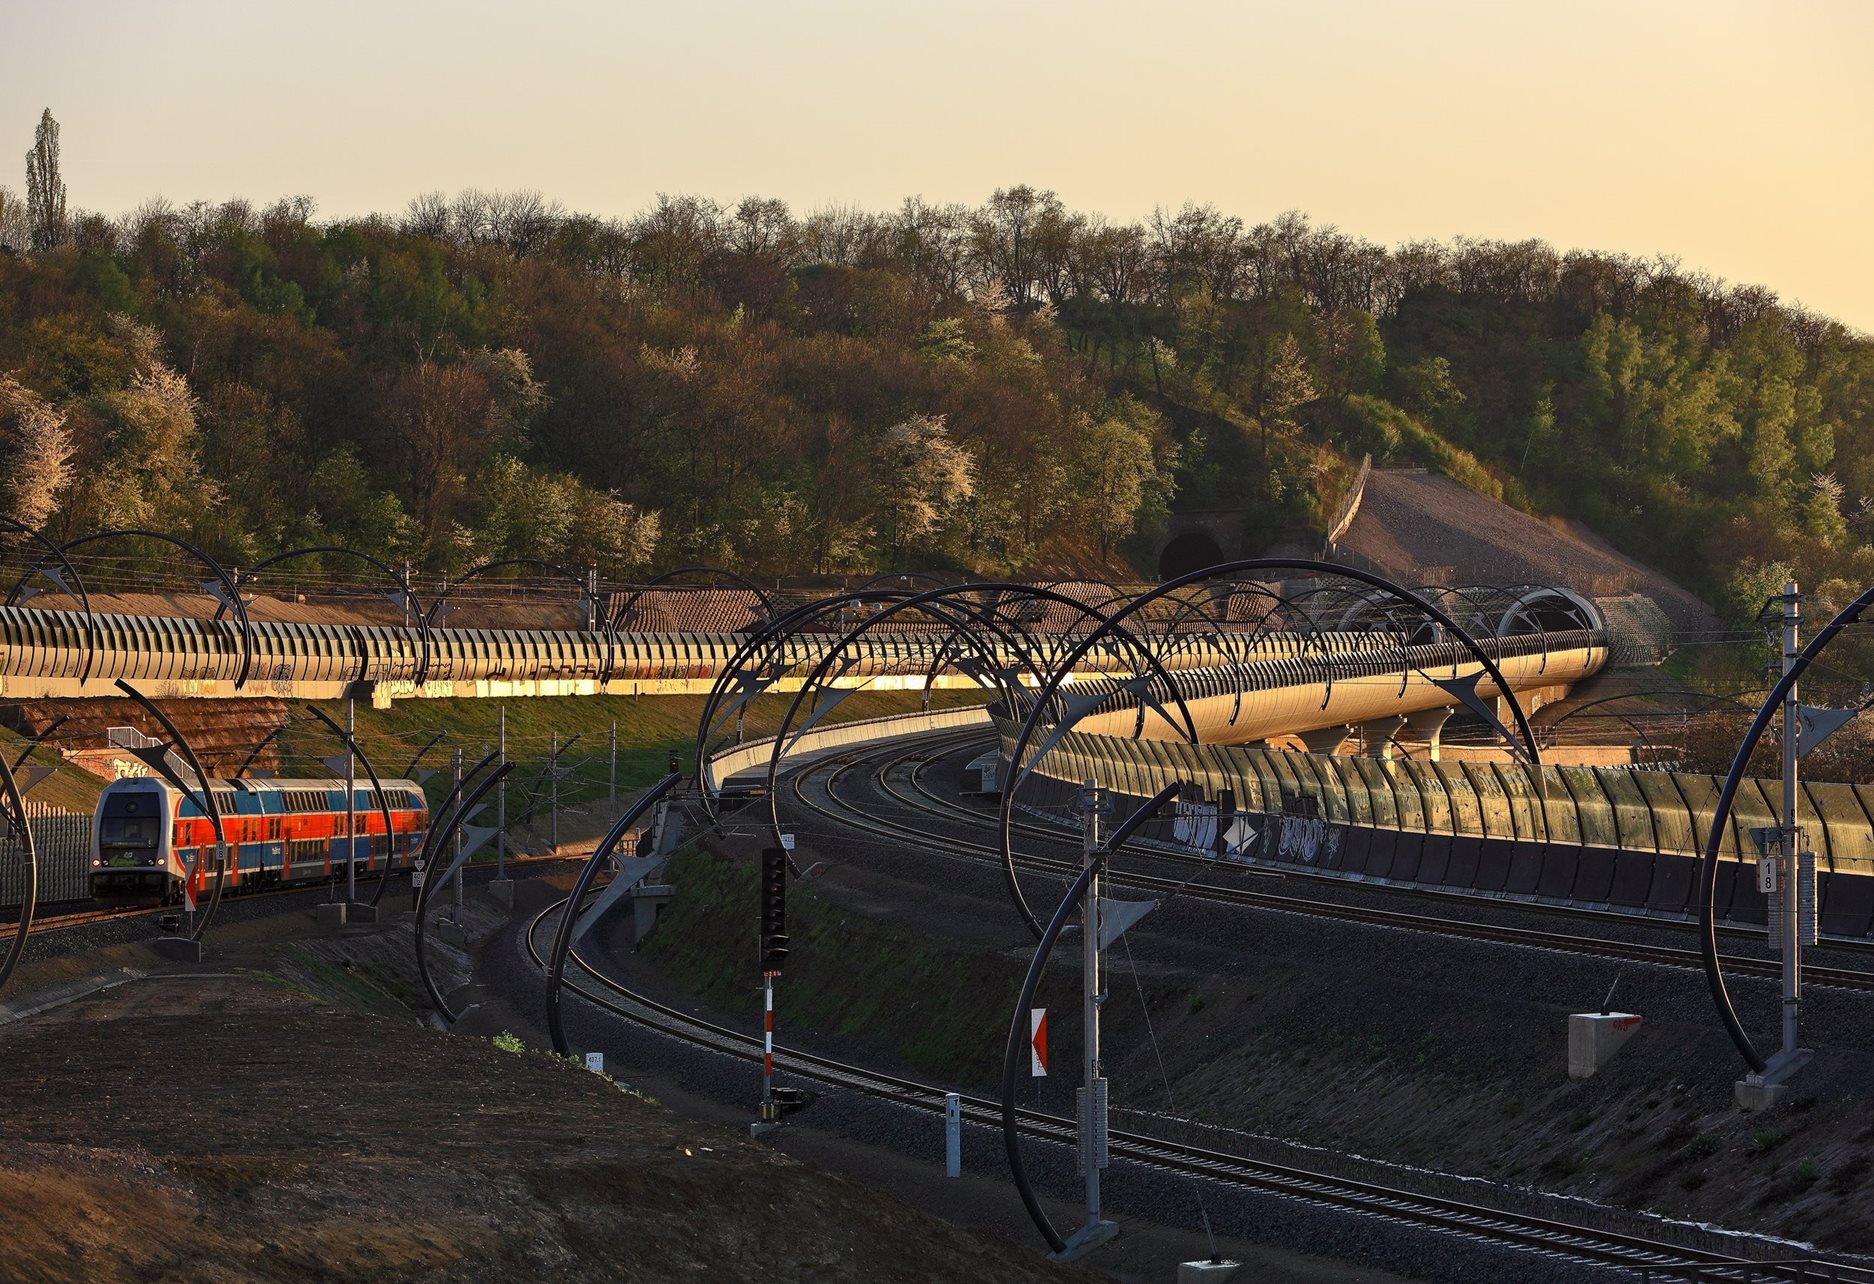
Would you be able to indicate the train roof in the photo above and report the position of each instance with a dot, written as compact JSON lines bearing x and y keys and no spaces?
{"x":266,"y":785}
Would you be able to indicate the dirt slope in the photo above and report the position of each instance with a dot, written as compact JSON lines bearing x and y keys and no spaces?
{"x":1419,"y":526}
{"x":226,"y":1128}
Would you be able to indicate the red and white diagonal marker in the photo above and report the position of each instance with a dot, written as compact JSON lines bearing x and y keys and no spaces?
{"x":1037,"y":1042}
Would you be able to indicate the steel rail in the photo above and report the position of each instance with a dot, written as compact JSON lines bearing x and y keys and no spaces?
{"x":930,"y":804}
{"x":1593,"y":947}
{"x":1546,"y":1236}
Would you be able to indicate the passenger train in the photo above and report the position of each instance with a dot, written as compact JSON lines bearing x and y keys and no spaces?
{"x":148,"y":837}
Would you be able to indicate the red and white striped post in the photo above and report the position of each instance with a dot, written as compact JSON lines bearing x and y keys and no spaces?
{"x":773,"y":949}
{"x":770,"y":1111}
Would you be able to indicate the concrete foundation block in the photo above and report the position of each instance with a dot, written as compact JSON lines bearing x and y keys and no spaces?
{"x":330,"y":916}
{"x":179,"y":949}
{"x":1205,"y":1272}
{"x":1756,"y":1096}
{"x":1594,"y":1038}
{"x":502,"y":889}
{"x":1762,"y":1091}
{"x":1084,"y":1241}
{"x":360,"y":912}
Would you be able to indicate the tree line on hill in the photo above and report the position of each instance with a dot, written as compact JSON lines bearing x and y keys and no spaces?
{"x":1014,"y":386}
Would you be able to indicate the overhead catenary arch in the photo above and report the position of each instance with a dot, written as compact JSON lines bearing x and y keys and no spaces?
{"x":13,"y":818}
{"x":1047,"y":682}
{"x":66,"y":577}
{"x":1019,"y":768}
{"x":596,"y":612}
{"x":223,"y":587}
{"x":202,"y":794}
{"x":404,"y":596}
{"x":1721,"y":819}
{"x":769,"y":643}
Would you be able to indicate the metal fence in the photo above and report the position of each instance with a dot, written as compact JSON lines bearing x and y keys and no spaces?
{"x":64,"y":842}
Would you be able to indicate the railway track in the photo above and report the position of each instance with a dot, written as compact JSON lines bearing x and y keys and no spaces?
{"x":854,"y":817}
{"x":1556,"y":1240}
{"x":70,"y":920}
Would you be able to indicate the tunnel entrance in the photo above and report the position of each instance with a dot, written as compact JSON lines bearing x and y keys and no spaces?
{"x":1191,"y":551}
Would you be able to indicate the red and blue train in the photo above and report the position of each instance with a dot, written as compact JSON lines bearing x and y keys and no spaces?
{"x":148,"y":837}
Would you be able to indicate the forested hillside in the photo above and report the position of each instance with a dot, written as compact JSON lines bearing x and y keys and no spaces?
{"x":997,"y":388}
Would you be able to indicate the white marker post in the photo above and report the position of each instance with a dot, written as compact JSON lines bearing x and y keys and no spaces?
{"x":1037,"y":1043}
{"x":953,"y":1135}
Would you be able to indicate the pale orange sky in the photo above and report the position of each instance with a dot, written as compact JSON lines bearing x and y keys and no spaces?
{"x":1738,"y":137}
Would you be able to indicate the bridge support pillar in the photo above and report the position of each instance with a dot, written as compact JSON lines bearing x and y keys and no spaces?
{"x":1426,"y":726}
{"x":1325,"y":739}
{"x":1377,"y":736}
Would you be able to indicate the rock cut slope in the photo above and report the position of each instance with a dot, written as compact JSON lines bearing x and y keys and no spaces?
{"x":1421,"y":527}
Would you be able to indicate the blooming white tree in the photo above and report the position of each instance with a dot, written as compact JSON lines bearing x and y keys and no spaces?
{"x":920,"y":475}
{"x":39,"y":452}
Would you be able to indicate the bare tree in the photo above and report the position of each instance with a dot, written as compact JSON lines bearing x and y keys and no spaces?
{"x":427,"y":215}
{"x":1005,"y":232}
{"x":45,"y":186}
{"x":14,"y":233}
{"x":761,"y":226}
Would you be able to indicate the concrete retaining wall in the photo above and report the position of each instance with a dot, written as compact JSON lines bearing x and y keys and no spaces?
{"x":752,"y":756}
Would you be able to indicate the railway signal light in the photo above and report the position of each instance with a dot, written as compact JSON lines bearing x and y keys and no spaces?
{"x":773,"y":910}
{"x":773,"y":954}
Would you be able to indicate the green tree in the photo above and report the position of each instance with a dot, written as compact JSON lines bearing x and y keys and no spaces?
{"x":1285,"y":387}
{"x":1115,"y":473}
{"x":354,"y":513}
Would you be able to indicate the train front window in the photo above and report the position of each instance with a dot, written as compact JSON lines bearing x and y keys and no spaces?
{"x":126,"y":831}
{"x":130,"y":827}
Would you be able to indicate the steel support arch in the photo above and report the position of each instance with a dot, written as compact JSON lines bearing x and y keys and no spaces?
{"x":563,"y":938}
{"x":1011,"y":1053}
{"x":771,"y":638}
{"x":436,"y":841}
{"x":16,"y":819}
{"x":397,"y":577}
{"x":1048,"y":684}
{"x":1017,"y":773}
{"x":1721,"y":816}
{"x":230,"y":595}
{"x":931,"y":602}
{"x":383,"y":806}
{"x":206,"y":803}
{"x":76,"y":588}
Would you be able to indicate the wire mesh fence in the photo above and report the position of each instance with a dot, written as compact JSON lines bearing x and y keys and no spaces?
{"x":64,"y":842}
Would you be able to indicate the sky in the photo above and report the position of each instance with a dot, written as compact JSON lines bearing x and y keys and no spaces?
{"x":1736,"y":137}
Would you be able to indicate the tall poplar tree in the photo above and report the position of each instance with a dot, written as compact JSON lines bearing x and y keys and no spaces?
{"x":45,"y":187}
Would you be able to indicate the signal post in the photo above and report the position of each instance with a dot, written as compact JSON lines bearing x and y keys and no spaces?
{"x":772,"y":950}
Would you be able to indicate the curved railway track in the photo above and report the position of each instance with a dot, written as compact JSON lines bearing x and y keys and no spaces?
{"x":854,"y":816}
{"x":1549,"y":1238}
